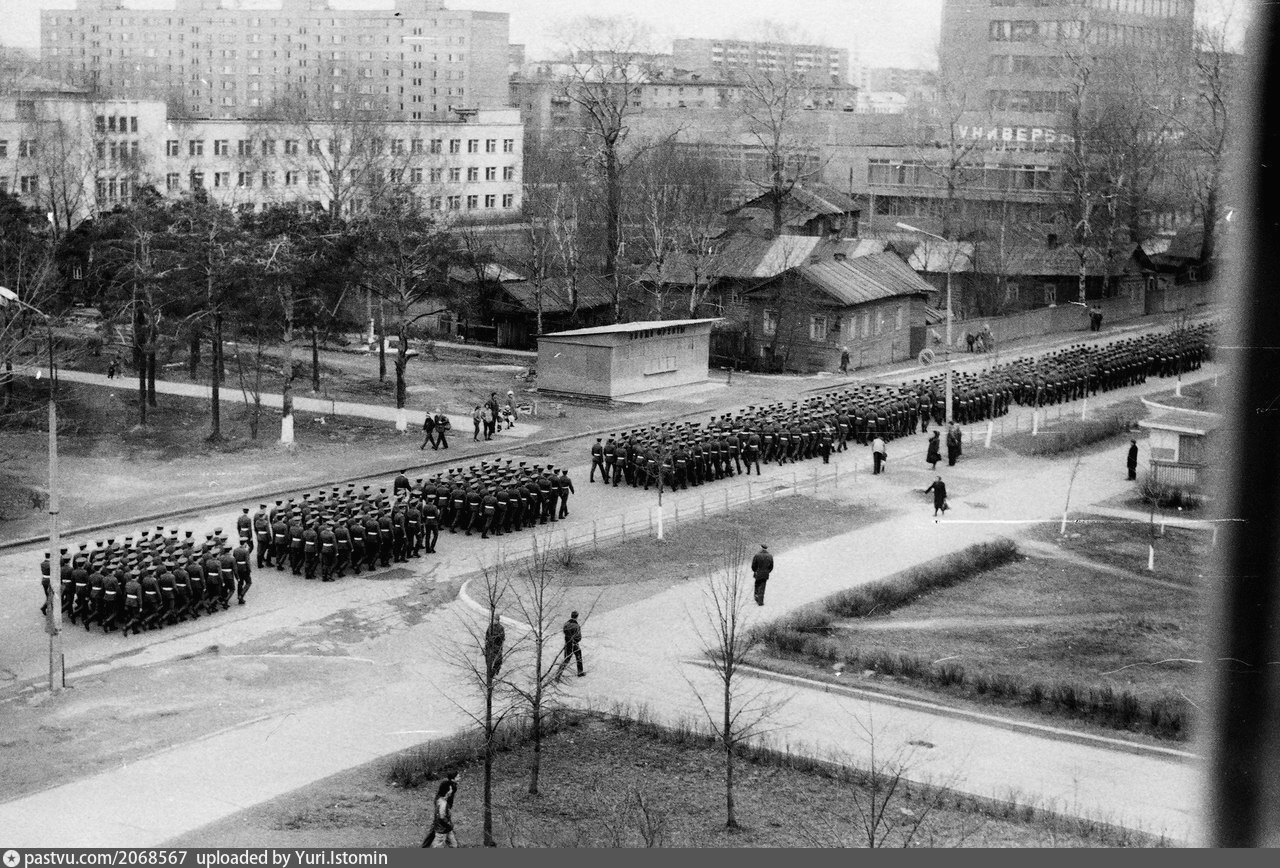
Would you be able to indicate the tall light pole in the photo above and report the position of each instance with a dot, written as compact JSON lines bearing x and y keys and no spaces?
{"x":947,"y":349}
{"x":54,"y":624}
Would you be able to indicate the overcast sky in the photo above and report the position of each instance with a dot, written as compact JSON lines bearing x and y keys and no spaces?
{"x":880,"y":32}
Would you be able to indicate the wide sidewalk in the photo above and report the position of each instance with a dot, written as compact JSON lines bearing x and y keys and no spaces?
{"x":230,"y":393}
{"x":639,"y":654}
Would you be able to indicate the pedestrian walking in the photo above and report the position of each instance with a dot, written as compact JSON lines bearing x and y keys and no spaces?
{"x":939,"y":489}
{"x":113,"y":368}
{"x":1132,"y":461}
{"x":477,"y":418}
{"x":969,"y":339}
{"x":572,"y":645}
{"x":934,"y":455}
{"x":429,"y":432}
{"x":491,"y":416}
{"x":878,"y":454}
{"x":441,"y":833}
{"x":442,"y":429}
{"x":844,"y":360}
{"x":512,"y":414}
{"x":761,"y":567}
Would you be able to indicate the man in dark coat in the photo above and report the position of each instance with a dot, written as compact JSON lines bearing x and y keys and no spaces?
{"x":761,"y":567}
{"x":1132,"y":461}
{"x":494,"y":638}
{"x":953,"y":445}
{"x":939,"y":489}
{"x":572,"y":645}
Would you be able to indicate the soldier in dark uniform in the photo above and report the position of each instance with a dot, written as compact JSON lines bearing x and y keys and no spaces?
{"x":328,"y":543}
{"x":227,"y":575}
{"x":565,"y":487}
{"x":240,"y":569}
{"x":612,"y":473}
{"x":151,"y":604}
{"x":244,"y":528}
{"x":79,"y":588}
{"x":195,"y":585}
{"x":262,"y":536}
{"x":96,"y":581}
{"x":597,"y":460}
{"x":297,"y":544}
{"x":399,"y":535}
{"x":168,"y":593}
{"x":400,"y":485}
{"x":311,"y":549}
{"x":572,"y":645}
{"x":430,"y":525}
{"x":488,"y":511}
{"x":413,"y":528}
{"x":359,"y":543}
{"x":132,"y":604}
{"x":386,"y":538}
{"x":547,"y":498}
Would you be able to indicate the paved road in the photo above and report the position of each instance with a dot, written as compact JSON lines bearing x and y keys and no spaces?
{"x":636,"y":654}
{"x":232,"y":395}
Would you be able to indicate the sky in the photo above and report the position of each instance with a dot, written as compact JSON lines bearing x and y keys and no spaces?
{"x":881,"y":32}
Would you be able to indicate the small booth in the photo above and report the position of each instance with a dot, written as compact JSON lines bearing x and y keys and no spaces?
{"x":614,"y":362}
{"x":1181,"y":443}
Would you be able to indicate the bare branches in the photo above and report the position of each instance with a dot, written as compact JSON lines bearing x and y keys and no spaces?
{"x":739,"y":714}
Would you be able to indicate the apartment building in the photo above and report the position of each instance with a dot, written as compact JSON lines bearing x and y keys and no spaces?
{"x":72,"y":156}
{"x":414,"y":59}
{"x":731,"y":58}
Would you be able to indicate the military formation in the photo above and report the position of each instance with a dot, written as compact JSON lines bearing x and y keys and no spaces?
{"x":149,"y":581}
{"x":679,"y":455}
{"x":160,"y":578}
{"x":1068,"y":374}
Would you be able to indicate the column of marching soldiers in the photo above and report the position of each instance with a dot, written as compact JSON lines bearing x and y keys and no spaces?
{"x":155,"y":580}
{"x":158,"y":579}
{"x":679,"y":455}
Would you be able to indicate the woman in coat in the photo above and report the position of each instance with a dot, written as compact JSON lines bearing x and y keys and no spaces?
{"x":934,"y":455}
{"x":441,"y":834}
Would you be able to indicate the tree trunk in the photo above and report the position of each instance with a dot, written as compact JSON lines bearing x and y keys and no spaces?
{"x":193,"y":357}
{"x":286,"y":398}
{"x":151,"y":375}
{"x":535,"y":766}
{"x":402,"y":361}
{"x":7,"y":390}
{"x":315,"y":359}
{"x":215,"y":406}
{"x":382,"y":346}
{"x":1208,"y":237}
{"x":140,"y":362}
{"x":613,"y":208}
{"x":488,"y":765}
{"x":731,"y":820}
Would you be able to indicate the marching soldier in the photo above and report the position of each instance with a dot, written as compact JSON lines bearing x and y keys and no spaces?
{"x":565,"y":485}
{"x":262,"y":536}
{"x":244,"y":528}
{"x":328,"y":542}
{"x":297,"y":544}
{"x":597,"y":460}
{"x":311,"y":549}
{"x":240,"y":568}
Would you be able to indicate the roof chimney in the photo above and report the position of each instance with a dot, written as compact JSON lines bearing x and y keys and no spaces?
{"x":841,"y":256}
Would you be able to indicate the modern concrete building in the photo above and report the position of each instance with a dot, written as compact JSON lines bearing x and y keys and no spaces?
{"x":730,"y":58}
{"x":72,"y":155}
{"x":619,"y":361}
{"x":411,"y":59}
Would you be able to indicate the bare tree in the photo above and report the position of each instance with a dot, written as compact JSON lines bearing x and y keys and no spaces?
{"x":538,"y":598}
{"x":736,"y":713}
{"x":772,"y":105}
{"x":475,"y":658}
{"x":606,"y":69}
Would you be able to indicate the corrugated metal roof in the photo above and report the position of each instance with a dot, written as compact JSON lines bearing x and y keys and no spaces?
{"x":492,"y":271}
{"x":1184,"y":421}
{"x":863,"y":279}
{"x":747,"y":257}
{"x":628,"y":327}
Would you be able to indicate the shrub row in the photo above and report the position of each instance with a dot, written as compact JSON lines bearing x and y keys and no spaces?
{"x":1078,"y":434}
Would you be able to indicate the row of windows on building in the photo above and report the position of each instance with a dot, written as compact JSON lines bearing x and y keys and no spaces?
{"x":1151,"y":8}
{"x":1096,"y":33}
{"x":26,"y":149}
{"x":969,"y":210}
{"x":1027,"y":100}
{"x":314,"y":177}
{"x":196,"y":180}
{"x":823,"y":328}
{"x":336,"y":147}
{"x":256,"y":22}
{"x":920,"y":173}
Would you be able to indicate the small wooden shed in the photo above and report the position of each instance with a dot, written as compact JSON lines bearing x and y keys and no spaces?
{"x":616,"y":361}
{"x":1181,"y":444}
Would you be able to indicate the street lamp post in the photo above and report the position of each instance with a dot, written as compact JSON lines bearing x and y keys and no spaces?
{"x":54,"y":623}
{"x":947,"y":348}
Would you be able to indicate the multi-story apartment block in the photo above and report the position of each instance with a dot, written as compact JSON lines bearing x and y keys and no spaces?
{"x":1007,"y":58}
{"x":413,"y":59}
{"x":72,"y":156}
{"x":731,"y":58}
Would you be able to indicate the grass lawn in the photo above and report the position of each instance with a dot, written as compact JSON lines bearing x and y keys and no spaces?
{"x":1079,"y":635}
{"x":595,"y":773}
